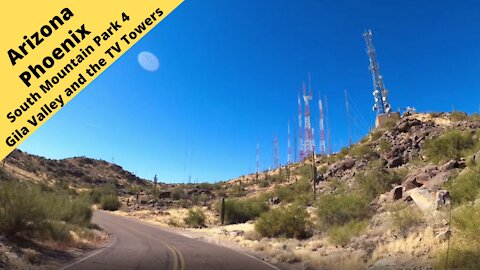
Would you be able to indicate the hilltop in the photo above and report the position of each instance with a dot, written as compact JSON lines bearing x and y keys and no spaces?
{"x":77,"y":173}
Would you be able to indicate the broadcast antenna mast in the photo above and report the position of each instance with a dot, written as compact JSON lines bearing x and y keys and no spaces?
{"x":300,"y":130}
{"x":275,"y":153}
{"x":308,"y":128}
{"x":323,"y":145}
{"x":379,"y":92}
{"x":348,"y":116}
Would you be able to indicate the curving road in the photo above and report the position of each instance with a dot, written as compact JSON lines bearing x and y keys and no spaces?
{"x":138,"y":245}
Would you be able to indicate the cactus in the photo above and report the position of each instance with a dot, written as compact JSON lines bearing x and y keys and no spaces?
{"x":222,"y":211}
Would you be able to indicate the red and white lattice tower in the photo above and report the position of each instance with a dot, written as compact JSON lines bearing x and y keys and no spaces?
{"x":323,"y":144}
{"x":289,"y":157}
{"x":308,"y":128}
{"x":300,"y":129}
{"x":276,"y":162}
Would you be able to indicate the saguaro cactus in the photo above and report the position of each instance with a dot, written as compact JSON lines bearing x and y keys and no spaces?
{"x":222,"y":211}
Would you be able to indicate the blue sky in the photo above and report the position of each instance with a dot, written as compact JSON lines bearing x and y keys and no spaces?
{"x":229,"y":74}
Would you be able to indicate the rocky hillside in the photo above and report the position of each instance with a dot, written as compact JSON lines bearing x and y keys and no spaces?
{"x":78,"y":172}
{"x":383,"y":203}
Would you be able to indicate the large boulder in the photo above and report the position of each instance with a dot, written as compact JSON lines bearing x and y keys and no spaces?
{"x":337,"y":168}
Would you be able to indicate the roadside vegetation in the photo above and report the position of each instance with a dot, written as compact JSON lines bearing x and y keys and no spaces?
{"x":30,"y":212}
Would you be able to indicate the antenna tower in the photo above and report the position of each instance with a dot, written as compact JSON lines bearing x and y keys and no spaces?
{"x":380,"y":94}
{"x":348,"y":120}
{"x":258,"y":157}
{"x":323,"y":145}
{"x":300,"y":129}
{"x":308,"y":128}
{"x":275,"y":153}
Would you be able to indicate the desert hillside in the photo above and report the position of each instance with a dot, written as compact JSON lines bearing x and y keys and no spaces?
{"x":383,"y":203}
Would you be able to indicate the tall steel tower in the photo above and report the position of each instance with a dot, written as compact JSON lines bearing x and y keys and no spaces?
{"x":379,"y":92}
{"x":300,"y":129}
{"x":323,"y":145}
{"x":276,"y":162}
{"x":308,"y":128}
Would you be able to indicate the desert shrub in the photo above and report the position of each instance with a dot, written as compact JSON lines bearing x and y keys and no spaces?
{"x":240,"y":211}
{"x":110,"y":203}
{"x":184,"y":203}
{"x":376,"y":181}
{"x":291,"y":222}
{"x":207,"y":186}
{"x":384,"y":146}
{"x":342,"y":235}
{"x":264,"y":183}
{"x":475,"y":117}
{"x":195,"y":218}
{"x":81,"y":211}
{"x":305,"y":171}
{"x":375,"y":135}
{"x":340,"y":209}
{"x":323,"y":169}
{"x":237,"y":191}
{"x":278,"y":178}
{"x":405,"y":219}
{"x":30,"y":211}
{"x":465,"y":247}
{"x":178,"y":193}
{"x":458,"y":116}
{"x":337,"y":186}
{"x":453,"y":144}
{"x":467,"y":221}
{"x":360,"y":150}
{"x":464,"y":188}
{"x":20,"y":209}
{"x":290,"y":193}
{"x":96,"y":194}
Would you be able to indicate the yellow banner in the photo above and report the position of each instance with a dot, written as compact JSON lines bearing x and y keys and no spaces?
{"x":51,"y":50}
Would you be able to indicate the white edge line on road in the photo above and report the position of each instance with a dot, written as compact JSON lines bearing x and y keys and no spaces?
{"x":253,"y":257}
{"x":91,"y":255}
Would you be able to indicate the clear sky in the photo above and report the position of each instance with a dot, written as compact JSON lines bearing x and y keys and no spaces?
{"x":229,"y":74}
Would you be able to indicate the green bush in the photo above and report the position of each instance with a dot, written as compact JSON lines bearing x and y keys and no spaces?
{"x":405,"y":219}
{"x":464,"y":188}
{"x":237,"y":191}
{"x":465,"y":247}
{"x":195,"y":218}
{"x":240,"y":211}
{"x":375,"y":135}
{"x":342,"y":235}
{"x":290,"y":222}
{"x":264,"y":183}
{"x":340,"y":209}
{"x":299,"y":191}
{"x":453,"y":144}
{"x":376,"y":181}
{"x":21,"y":210}
{"x":384,"y":146}
{"x":110,"y":203}
{"x":458,"y":116}
{"x":31,"y":211}
{"x":178,"y":193}
{"x":360,"y":150}
{"x":96,"y":194}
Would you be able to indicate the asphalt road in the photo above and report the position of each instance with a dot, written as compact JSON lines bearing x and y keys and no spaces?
{"x":138,"y":245}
